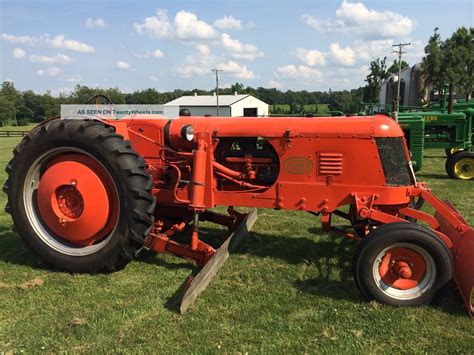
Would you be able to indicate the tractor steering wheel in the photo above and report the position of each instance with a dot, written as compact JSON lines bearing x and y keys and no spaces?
{"x":97,"y":98}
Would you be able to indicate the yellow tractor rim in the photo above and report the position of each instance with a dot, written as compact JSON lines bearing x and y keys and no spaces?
{"x":464,"y":168}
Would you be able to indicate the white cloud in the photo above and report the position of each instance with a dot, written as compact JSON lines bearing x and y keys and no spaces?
{"x":369,"y":50}
{"x":157,"y":53}
{"x":299,"y":72}
{"x":311,"y":57}
{"x":53,"y":71}
{"x":228,"y":23}
{"x":238,"y":49}
{"x":59,"y":42}
{"x":123,"y":65}
{"x":73,"y":79}
{"x":57,"y":59}
{"x":18,"y":53}
{"x":97,"y":23}
{"x":73,"y":45}
{"x":153,"y":78}
{"x":275,"y":84}
{"x":197,"y":65}
{"x":344,"y":56}
{"x":239,"y":71}
{"x":202,"y":63}
{"x":203,"y":50}
{"x":356,"y":18}
{"x":189,"y":70}
{"x":61,"y":91}
{"x":188,"y":27}
{"x":156,"y":26}
{"x":17,"y":39}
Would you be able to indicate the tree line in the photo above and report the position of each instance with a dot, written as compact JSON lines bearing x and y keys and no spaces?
{"x":448,"y":61}
{"x":22,"y":107}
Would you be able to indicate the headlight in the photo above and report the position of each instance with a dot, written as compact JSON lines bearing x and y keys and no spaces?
{"x":187,"y":132}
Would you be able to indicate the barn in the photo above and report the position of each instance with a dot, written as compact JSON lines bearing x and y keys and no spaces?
{"x":206,"y":105}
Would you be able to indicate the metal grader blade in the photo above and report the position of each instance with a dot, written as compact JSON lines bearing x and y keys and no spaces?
{"x":201,"y":281}
{"x":463,"y":255}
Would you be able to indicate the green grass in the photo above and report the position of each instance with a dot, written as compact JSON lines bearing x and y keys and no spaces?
{"x":289,"y":288}
{"x":18,"y":128}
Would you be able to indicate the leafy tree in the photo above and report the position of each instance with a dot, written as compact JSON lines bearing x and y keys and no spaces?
{"x":378,"y":73}
{"x":394,"y":67}
{"x":432,"y":63}
{"x":458,"y":55}
{"x":237,"y":87}
{"x":7,"y":110}
{"x":24,"y":113}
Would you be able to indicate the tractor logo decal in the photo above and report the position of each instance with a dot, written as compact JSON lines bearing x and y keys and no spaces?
{"x":298,"y":165}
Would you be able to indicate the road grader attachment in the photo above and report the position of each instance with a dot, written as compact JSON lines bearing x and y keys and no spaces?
{"x":87,"y":195}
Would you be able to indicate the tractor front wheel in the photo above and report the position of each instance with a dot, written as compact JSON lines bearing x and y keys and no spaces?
{"x":79,"y":195}
{"x":402,"y":264}
{"x":460,"y":165}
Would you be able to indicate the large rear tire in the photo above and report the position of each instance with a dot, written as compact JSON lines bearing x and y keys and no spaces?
{"x":80,"y":196}
{"x":402,"y":264}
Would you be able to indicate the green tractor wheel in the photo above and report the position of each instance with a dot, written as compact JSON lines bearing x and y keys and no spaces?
{"x":461,"y":165}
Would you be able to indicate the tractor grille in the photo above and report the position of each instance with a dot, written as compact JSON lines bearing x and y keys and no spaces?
{"x":394,"y":161}
{"x":330,"y":164}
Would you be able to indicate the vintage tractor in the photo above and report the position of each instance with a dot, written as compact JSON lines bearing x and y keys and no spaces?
{"x":448,"y":131}
{"x":445,"y":129}
{"x":87,"y":195}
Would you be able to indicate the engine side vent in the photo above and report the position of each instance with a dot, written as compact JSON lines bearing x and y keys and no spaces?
{"x":330,"y":164}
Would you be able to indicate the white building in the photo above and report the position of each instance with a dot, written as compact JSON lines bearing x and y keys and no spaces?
{"x":206,"y":105}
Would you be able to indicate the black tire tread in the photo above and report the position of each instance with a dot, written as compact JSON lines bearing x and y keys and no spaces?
{"x":378,"y":235}
{"x":131,"y":168}
{"x":453,"y":159}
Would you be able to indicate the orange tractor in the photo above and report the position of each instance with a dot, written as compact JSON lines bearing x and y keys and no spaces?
{"x":87,"y":195}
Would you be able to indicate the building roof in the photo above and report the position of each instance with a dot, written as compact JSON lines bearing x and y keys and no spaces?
{"x":206,"y":100}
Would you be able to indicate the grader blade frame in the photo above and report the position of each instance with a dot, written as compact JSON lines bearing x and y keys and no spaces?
{"x":463,"y":240}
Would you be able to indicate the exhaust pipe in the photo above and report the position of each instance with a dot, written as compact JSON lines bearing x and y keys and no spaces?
{"x":450,"y":99}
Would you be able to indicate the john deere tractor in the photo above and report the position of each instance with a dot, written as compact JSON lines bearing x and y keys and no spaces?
{"x":440,"y":127}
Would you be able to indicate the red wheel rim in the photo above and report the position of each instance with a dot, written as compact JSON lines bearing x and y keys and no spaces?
{"x":77,"y":199}
{"x":402,"y":268}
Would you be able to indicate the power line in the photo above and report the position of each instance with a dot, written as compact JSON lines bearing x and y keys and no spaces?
{"x":217,"y":87}
{"x":399,"y":53}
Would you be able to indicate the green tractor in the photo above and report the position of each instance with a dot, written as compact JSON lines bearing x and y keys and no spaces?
{"x":435,"y":129}
{"x":448,"y":131}
{"x":414,"y":128}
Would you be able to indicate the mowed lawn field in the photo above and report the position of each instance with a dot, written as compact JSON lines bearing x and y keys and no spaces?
{"x":289,"y":288}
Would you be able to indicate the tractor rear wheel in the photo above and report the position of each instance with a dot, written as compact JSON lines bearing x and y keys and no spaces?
{"x":79,"y":196}
{"x":460,"y":165}
{"x":402,"y":264}
{"x":451,"y":151}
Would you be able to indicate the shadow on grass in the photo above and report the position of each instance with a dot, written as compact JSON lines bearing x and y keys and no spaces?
{"x":328,"y":271}
{"x":449,"y":301}
{"x":320,"y":259}
{"x":323,"y":260}
{"x":14,"y":251}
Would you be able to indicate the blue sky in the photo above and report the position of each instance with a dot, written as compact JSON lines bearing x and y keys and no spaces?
{"x":133,"y":45}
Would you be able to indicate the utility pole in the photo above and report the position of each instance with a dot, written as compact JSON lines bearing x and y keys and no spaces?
{"x":217,"y":87}
{"x":399,"y":53}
